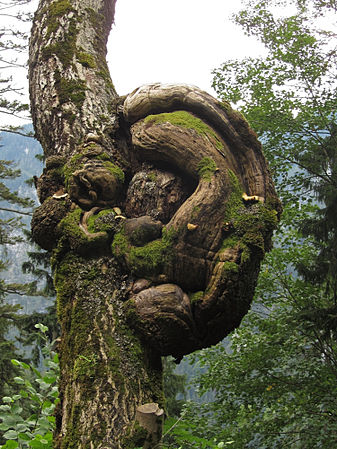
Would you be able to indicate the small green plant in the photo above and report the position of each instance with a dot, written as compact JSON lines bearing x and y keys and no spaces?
{"x":26,"y":417}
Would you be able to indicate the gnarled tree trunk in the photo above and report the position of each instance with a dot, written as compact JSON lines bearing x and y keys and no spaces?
{"x":158,"y":209}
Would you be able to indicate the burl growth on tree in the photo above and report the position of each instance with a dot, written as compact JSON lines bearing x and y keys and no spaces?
{"x":158,"y":208}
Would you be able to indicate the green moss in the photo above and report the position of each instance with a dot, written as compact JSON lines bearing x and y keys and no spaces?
{"x":146,"y":260}
{"x":120,"y":245}
{"x":226,"y":106}
{"x":234,"y":115}
{"x":231,"y":241}
{"x":206,"y":168}
{"x":64,"y":49}
{"x":56,"y":10}
{"x":187,"y":120}
{"x":260,"y":219}
{"x":70,"y":117}
{"x":77,"y":239}
{"x":135,"y":438}
{"x":230,"y":267}
{"x":195,"y":211}
{"x":85,"y":366}
{"x":149,"y":258}
{"x":234,"y":202}
{"x":86,"y":59}
{"x":96,"y":18}
{"x":74,"y":163}
{"x":115,"y":170}
{"x":197,"y":296}
{"x":101,"y":221}
{"x":251,"y":225}
{"x":65,"y":288}
{"x":92,"y":151}
{"x":71,"y":90}
{"x":105,"y":75}
{"x":152,"y":177}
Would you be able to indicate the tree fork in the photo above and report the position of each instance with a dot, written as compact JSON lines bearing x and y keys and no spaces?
{"x":158,"y":208}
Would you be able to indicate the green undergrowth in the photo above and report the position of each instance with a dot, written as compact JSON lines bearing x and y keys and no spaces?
{"x":27,"y":419}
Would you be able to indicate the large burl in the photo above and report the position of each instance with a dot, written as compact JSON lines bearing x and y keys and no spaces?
{"x":188,"y":212}
{"x":158,"y":208}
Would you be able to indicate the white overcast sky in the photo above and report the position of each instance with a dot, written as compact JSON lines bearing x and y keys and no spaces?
{"x":168,"y":41}
{"x":173,"y":41}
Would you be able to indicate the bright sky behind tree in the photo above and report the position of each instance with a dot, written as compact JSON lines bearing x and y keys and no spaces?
{"x":173,"y":41}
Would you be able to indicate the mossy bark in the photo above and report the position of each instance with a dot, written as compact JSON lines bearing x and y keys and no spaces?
{"x":158,"y":209}
{"x":107,"y":372}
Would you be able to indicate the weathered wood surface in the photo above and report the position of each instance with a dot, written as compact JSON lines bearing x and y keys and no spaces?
{"x":157,"y":223}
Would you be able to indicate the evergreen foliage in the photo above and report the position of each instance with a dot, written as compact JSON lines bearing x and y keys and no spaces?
{"x":13,"y":45}
{"x":174,"y":385}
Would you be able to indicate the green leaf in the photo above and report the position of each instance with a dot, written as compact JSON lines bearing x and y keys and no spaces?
{"x":42,"y":327}
{"x":19,"y":380}
{"x":10,"y":435}
{"x":12,"y":420}
{"x":25,"y":436}
{"x":40,"y":443}
{"x":4,"y":426}
{"x":16,"y":362}
{"x":49,"y":379}
{"x":10,"y":445}
{"x":4,"y":408}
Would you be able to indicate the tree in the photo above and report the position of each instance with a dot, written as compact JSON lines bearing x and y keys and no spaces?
{"x":174,"y":384}
{"x":275,"y":384}
{"x":13,"y":45}
{"x":144,"y":198}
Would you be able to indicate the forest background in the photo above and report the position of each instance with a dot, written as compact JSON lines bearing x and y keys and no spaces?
{"x":272,"y":384}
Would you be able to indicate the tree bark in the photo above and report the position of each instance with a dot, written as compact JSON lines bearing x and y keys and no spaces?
{"x":158,"y":209}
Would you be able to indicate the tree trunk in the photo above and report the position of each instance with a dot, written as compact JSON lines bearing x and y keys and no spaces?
{"x":158,"y":209}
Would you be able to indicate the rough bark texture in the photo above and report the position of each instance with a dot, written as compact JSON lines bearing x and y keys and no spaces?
{"x":158,"y":208}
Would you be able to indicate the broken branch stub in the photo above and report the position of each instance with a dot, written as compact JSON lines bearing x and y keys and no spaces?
{"x":150,"y":417}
